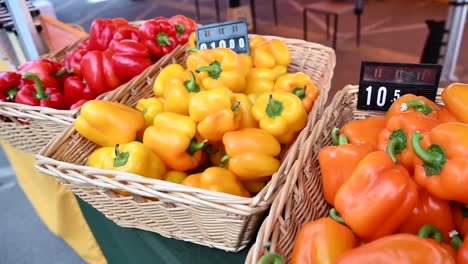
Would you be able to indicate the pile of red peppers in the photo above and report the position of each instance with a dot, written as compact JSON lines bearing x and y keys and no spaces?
{"x":398,"y":187}
{"x":115,"y":52}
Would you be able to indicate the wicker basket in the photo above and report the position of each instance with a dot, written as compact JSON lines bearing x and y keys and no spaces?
{"x":30,"y":128}
{"x":301,"y":199}
{"x":216,"y":219}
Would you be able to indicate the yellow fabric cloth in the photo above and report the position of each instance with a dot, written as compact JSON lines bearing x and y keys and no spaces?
{"x":55,"y":205}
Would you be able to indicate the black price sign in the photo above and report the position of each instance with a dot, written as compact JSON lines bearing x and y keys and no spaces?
{"x":232,"y":34}
{"x":381,"y":83}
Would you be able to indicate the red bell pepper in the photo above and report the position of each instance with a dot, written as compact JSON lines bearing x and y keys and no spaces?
{"x":102,"y":32}
{"x":36,"y":95}
{"x":98,"y":71}
{"x":74,"y":89}
{"x":10,"y":83}
{"x":462,"y":248}
{"x":130,"y":59}
{"x":78,"y":104}
{"x":460,"y":216}
{"x":50,"y":72}
{"x":184,"y":27}
{"x":73,"y":62}
{"x":159,"y":35}
{"x":128,"y":32}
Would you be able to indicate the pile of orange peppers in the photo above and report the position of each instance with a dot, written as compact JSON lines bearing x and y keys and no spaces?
{"x":397,"y":185}
{"x":218,"y":123}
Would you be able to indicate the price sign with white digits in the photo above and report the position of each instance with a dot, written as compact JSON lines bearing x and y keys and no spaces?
{"x":382,"y":83}
{"x":232,"y":34}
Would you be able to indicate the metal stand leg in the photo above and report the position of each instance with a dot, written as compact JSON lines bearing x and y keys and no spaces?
{"x":305,"y":23}
{"x":197,"y":9}
{"x":455,"y":26}
{"x":335,"y":32}
{"x":275,"y":12}
{"x":358,"y":30}
{"x":218,"y":16}
{"x":254,"y":17}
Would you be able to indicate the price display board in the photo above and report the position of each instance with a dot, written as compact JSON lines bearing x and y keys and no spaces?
{"x":232,"y":34}
{"x":382,"y":83}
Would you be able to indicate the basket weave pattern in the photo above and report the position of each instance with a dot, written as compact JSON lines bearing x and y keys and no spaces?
{"x":301,"y":200}
{"x":216,"y":219}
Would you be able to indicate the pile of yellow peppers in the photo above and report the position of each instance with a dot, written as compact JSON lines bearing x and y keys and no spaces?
{"x":217,"y":123}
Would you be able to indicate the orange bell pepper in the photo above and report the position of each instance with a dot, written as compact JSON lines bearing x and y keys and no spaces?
{"x":460,"y":216}
{"x":377,"y":198}
{"x":364,"y":131}
{"x":337,"y":163}
{"x":433,"y":234}
{"x":429,"y":210}
{"x":413,"y":103}
{"x":441,"y":167}
{"x":445,"y":116}
{"x":398,"y":249}
{"x":399,"y":129}
{"x":455,"y":98}
{"x":172,"y":137}
{"x":322,"y":241}
{"x":462,"y":248}
{"x":301,"y":85}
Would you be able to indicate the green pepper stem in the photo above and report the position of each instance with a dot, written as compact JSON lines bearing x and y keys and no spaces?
{"x":334,"y":215}
{"x":235,"y":106}
{"x":163,"y":39}
{"x":343,"y":140}
{"x":300,"y":92}
{"x":192,"y":85}
{"x":455,"y":239}
{"x":11,"y":94}
{"x":434,"y":157}
{"x":193,"y":49}
{"x":196,"y":146}
{"x":60,"y":73}
{"x":274,"y":108}
{"x":214,"y":70}
{"x":40,"y":93}
{"x":418,"y":105}
{"x":180,"y":29}
{"x":121,"y":158}
{"x":334,"y":135}
{"x":396,"y":144}
{"x":429,"y":230}
{"x":271,"y":258}
{"x":224,"y":160}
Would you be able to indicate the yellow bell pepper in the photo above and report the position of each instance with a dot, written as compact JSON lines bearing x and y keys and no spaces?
{"x":260,"y":80}
{"x":244,"y":111}
{"x":251,"y":153}
{"x":301,"y":85}
{"x":215,"y":112}
{"x":172,"y":138}
{"x":273,"y":54}
{"x":254,"y":41}
{"x":215,"y":152}
{"x":193,"y":180}
{"x":109,"y":123}
{"x":175,"y":176}
{"x":255,"y":186}
{"x":150,"y":107}
{"x":179,"y":92}
{"x":166,"y":74}
{"x":132,"y":157}
{"x":192,"y":40}
{"x":219,"y":67}
{"x":280,"y":113}
{"x":219,"y":180}
{"x":248,"y":59}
